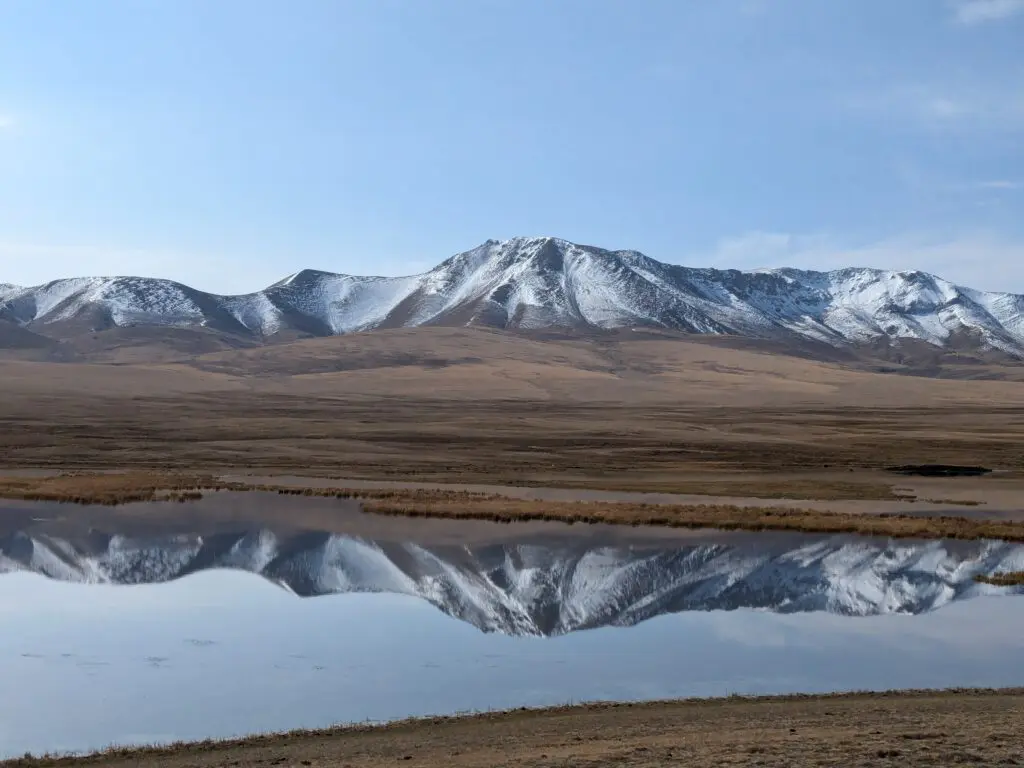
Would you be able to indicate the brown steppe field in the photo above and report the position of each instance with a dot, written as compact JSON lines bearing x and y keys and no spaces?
{"x":633,"y":428}
{"x":703,"y":418}
{"x":460,"y":405}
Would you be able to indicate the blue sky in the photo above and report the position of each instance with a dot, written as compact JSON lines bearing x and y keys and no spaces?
{"x":228,"y":143}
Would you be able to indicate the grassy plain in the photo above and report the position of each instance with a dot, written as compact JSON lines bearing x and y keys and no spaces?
{"x":462,"y":405}
{"x":722,"y":424}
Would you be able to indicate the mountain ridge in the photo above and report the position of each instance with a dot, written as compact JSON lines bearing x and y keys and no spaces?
{"x":544,"y":283}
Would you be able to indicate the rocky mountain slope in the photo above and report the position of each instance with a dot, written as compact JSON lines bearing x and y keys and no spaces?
{"x":537,"y":283}
{"x":554,"y":587}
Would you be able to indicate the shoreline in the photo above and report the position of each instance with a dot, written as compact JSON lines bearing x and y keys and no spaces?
{"x":511,"y":505}
{"x":594,"y":728}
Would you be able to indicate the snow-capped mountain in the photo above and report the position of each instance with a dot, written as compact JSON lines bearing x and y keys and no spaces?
{"x":551,"y":588}
{"x":531,"y":283}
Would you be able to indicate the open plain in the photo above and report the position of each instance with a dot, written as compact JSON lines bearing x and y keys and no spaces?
{"x":516,"y":426}
{"x":651,"y":413}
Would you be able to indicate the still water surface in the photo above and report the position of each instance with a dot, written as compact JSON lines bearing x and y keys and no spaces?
{"x":115,"y":637}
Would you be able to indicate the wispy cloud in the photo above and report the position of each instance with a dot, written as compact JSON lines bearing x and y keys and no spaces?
{"x":972,"y":12}
{"x":1000,"y":184}
{"x":944,"y":108}
{"x":984,"y":185}
{"x":6,"y":121}
{"x":979,"y":260}
{"x":975,"y":108}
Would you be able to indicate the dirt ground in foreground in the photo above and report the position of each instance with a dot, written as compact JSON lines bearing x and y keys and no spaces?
{"x":940,"y":729}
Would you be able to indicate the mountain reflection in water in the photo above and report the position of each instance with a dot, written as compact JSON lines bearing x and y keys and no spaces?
{"x":548,"y":585}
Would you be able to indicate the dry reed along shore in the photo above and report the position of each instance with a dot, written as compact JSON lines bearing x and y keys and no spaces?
{"x":119,"y":488}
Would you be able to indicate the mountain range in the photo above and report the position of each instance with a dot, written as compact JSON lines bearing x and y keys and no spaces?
{"x":548,"y":587}
{"x":530,"y":284}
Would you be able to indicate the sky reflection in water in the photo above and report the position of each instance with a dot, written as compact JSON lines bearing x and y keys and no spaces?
{"x":224,"y":653}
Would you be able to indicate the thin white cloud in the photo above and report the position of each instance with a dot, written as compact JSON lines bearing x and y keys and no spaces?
{"x":6,"y":121}
{"x":993,"y":186}
{"x":983,"y":261}
{"x":1000,"y":184}
{"x":965,"y":108}
{"x":942,"y":108}
{"x":971,"y":12}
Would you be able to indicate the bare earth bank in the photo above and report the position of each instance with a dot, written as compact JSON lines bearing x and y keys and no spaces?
{"x":907,"y":728}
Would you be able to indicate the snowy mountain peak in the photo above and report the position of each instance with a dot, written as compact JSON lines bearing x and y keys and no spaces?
{"x":541,"y":282}
{"x":543,"y":253}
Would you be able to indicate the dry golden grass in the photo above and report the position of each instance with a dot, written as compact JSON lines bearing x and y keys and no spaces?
{"x":864,"y":730}
{"x":108,"y":488}
{"x":458,"y":506}
{"x":119,"y":488}
{"x":469,"y":406}
{"x":1007,"y":579}
{"x":796,"y":453}
{"x":764,"y":487}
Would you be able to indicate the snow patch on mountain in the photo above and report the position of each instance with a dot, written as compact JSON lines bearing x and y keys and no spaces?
{"x":341,"y":303}
{"x":256,"y":312}
{"x":127,"y":300}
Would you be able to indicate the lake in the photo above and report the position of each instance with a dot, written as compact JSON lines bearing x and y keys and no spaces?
{"x":133,"y":625}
